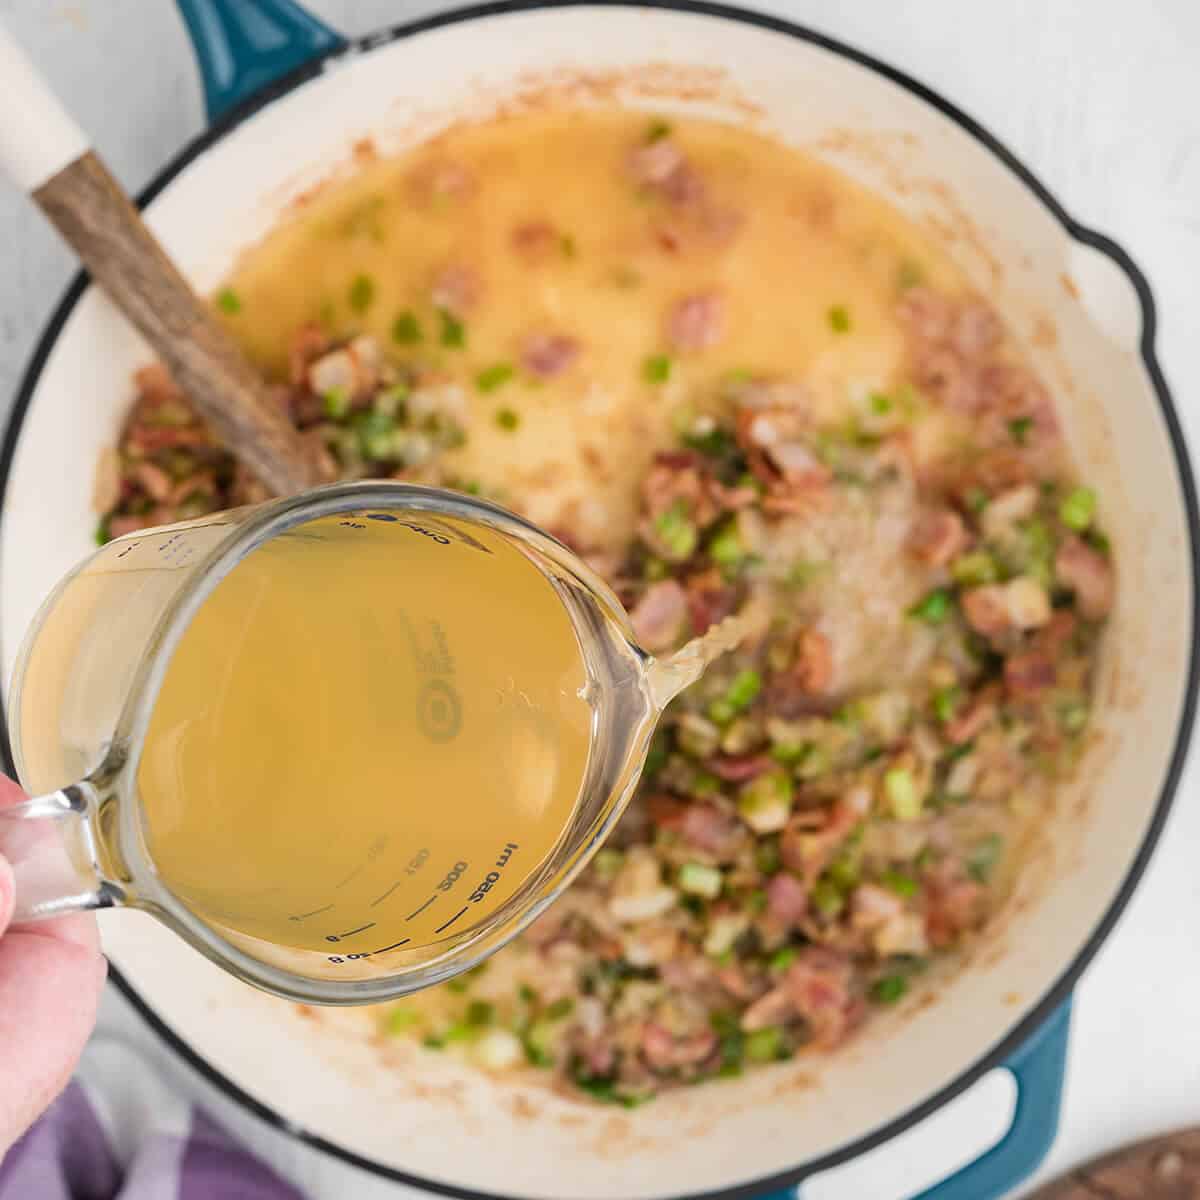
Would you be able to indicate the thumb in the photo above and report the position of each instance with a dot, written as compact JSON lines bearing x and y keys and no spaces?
{"x":7,"y":893}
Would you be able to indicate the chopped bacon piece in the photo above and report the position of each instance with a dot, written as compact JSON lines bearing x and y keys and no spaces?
{"x":808,"y":852}
{"x":701,"y":825}
{"x":663,"y":1051}
{"x":813,"y":668}
{"x":986,"y":609}
{"x":660,"y":616}
{"x":456,"y":289}
{"x":155,"y":481}
{"x":953,"y":905}
{"x":155,"y":385}
{"x":655,"y":163}
{"x":308,"y":343}
{"x":548,"y":354}
{"x":438,"y":180}
{"x":787,"y":899}
{"x":738,"y":768}
{"x":939,"y":536}
{"x":819,"y":982}
{"x":1088,"y":574}
{"x":976,"y":330}
{"x":927,"y":314}
{"x":776,"y":1007}
{"x":697,"y":322}
{"x":709,"y":601}
{"x":149,"y":438}
{"x":978,"y":714}
{"x":873,"y":906}
{"x":1027,"y":674}
{"x":537,"y":241}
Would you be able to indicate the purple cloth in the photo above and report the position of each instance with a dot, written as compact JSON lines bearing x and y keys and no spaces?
{"x":68,"y":1155}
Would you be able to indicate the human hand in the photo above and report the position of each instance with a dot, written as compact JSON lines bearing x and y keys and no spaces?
{"x":51,"y":974}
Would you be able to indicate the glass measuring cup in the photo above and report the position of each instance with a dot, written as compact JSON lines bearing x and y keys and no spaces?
{"x":364,"y":893}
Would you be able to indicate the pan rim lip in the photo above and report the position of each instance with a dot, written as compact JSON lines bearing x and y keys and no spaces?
{"x":1058,"y":992}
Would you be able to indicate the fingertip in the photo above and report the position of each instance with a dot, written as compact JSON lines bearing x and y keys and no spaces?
{"x":8,"y":891}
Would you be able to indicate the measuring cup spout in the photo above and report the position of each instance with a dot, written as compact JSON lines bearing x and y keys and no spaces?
{"x":49,"y":845}
{"x":667,"y":677}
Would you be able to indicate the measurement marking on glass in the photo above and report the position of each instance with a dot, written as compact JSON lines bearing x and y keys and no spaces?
{"x":393,"y":946}
{"x":350,"y":876}
{"x":450,"y":922}
{"x":338,"y":937}
{"x":315,"y":912}
{"x":421,"y":909}
{"x":381,"y":899}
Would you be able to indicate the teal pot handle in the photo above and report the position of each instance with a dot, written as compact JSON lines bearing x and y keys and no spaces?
{"x":243,"y":46}
{"x":1037,"y":1068}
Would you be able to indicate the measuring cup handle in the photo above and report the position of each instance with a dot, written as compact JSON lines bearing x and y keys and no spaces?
{"x":48,"y":844}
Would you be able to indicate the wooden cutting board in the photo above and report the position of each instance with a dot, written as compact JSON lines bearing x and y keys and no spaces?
{"x":1163,"y":1168}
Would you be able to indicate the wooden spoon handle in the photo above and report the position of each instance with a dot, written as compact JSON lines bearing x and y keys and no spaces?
{"x":94,"y":215}
{"x":47,"y":154}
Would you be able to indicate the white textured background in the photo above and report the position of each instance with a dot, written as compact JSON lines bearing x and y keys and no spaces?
{"x":1101,"y":98}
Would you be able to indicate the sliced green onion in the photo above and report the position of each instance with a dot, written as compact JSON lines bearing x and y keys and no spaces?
{"x":715,"y":443}
{"x":228,"y":301}
{"x":539,"y":1042}
{"x":507,"y":419}
{"x":903,"y":797}
{"x":676,"y":531}
{"x":497,"y":375}
{"x":844,"y":872}
{"x":336,"y":403}
{"x":1074,"y":715}
{"x":698,"y":879}
{"x":889,"y":989}
{"x":656,"y":756}
{"x":945,"y":703}
{"x":401,"y":1019}
{"x":657,"y":130}
{"x":1019,"y":428}
{"x":765,"y":1045}
{"x":766,"y":856}
{"x":790,"y":753}
{"x":933,"y":609}
{"x":454,"y":332}
{"x":104,"y":530}
{"x":977,"y":500}
{"x":827,"y":898}
{"x":480,"y":1012}
{"x":839,"y":319}
{"x":898,"y":882}
{"x":607,"y":862}
{"x":765,"y":803}
{"x":1078,"y":509}
{"x":376,"y":433}
{"x":744,"y":689}
{"x":406,"y":329}
{"x":983,"y":856}
{"x":564,"y":1006}
{"x":362,"y":292}
{"x":880,"y":403}
{"x":656,"y":369}
{"x":975,"y":569}
{"x":725,"y":546}
{"x":782,"y":959}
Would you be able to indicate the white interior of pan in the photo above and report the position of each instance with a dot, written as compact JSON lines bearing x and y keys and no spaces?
{"x":414,"y":1111}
